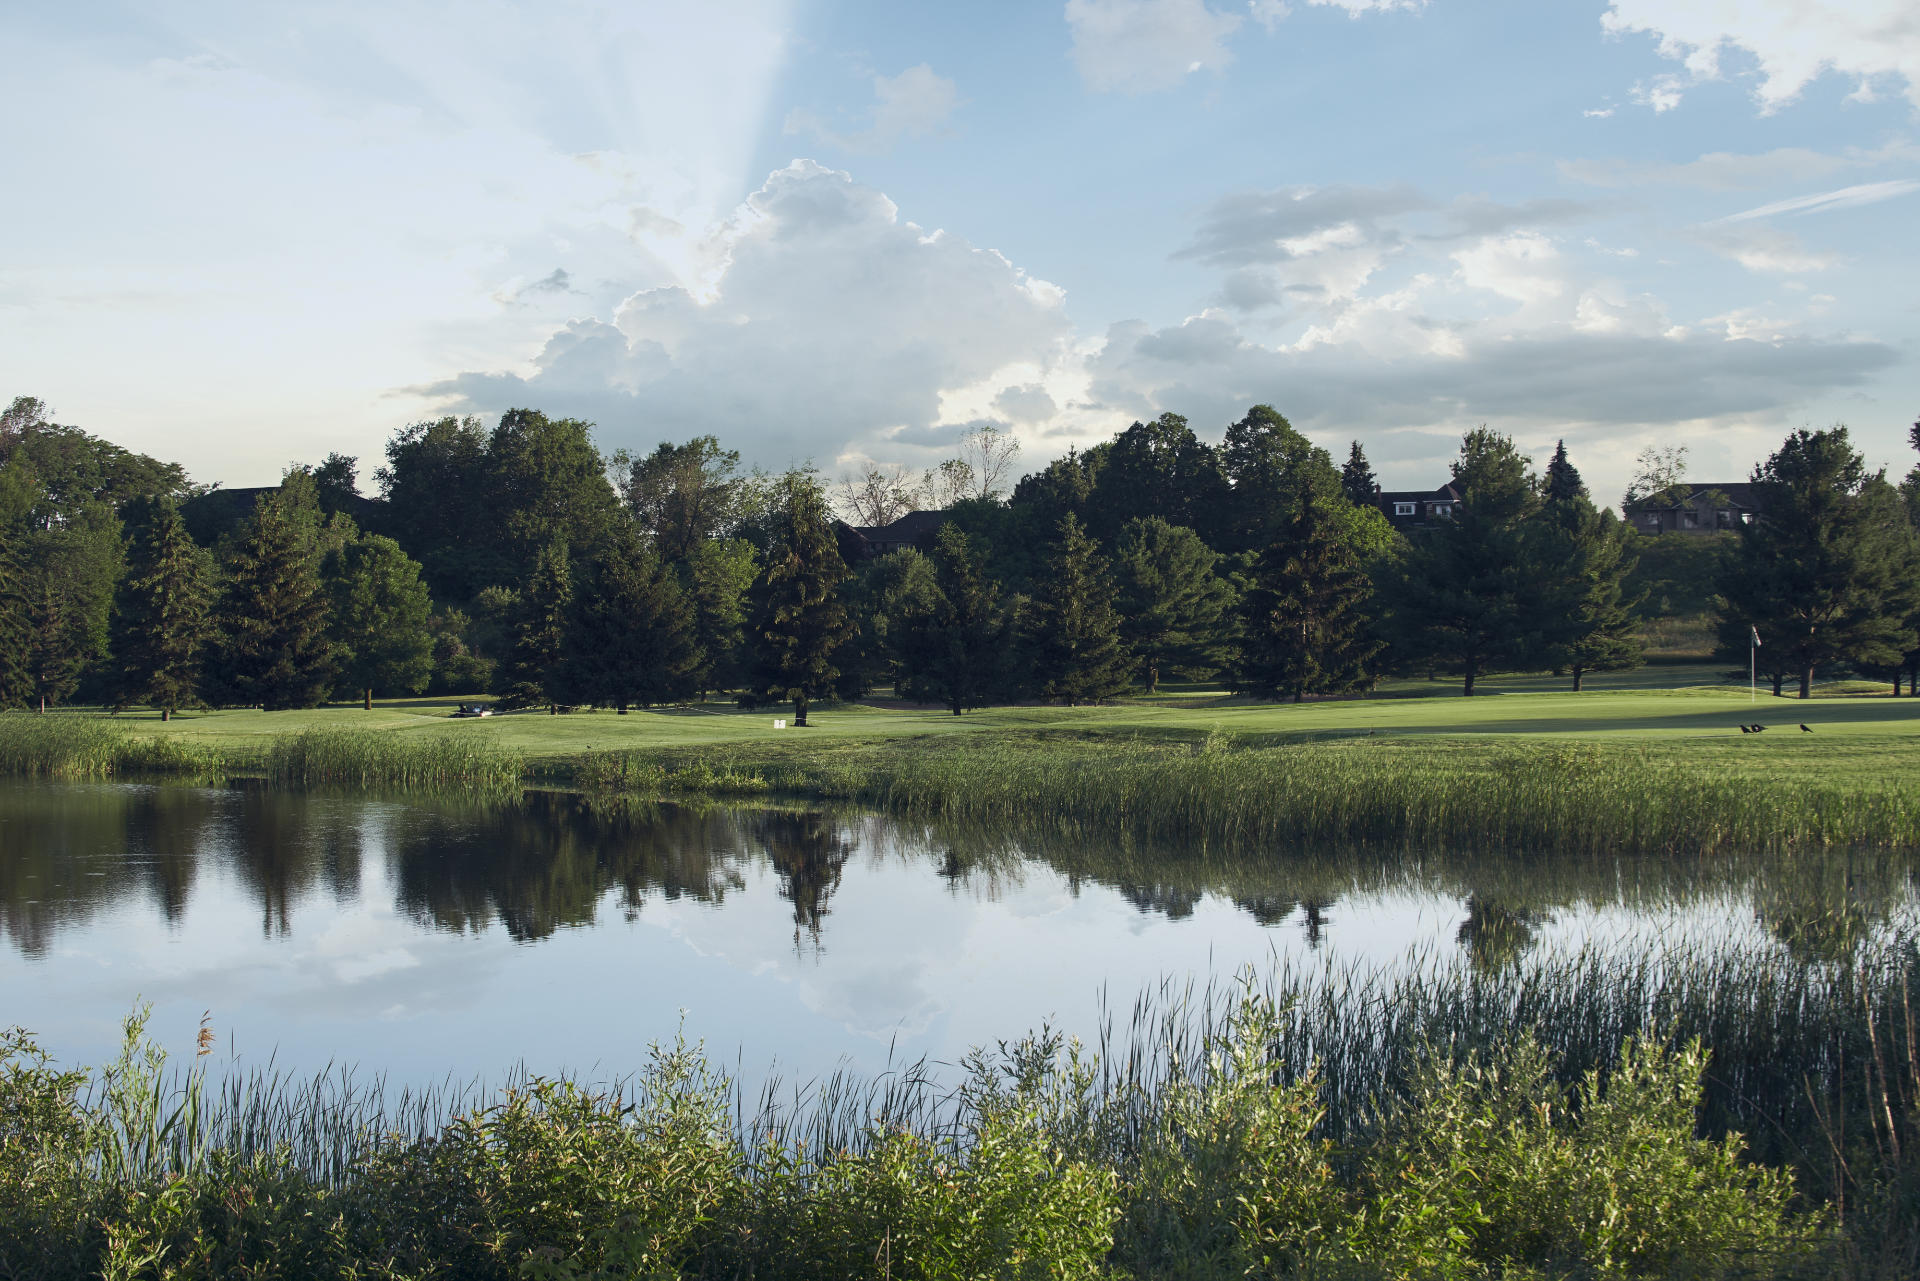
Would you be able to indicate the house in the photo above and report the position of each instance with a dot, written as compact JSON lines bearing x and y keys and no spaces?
{"x":1414,"y":508}
{"x":863,"y":542}
{"x":1697,"y":509}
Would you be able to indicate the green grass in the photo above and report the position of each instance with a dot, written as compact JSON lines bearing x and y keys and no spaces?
{"x":1648,"y":761}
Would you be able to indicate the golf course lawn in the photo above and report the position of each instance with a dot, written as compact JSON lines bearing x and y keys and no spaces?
{"x":1678,"y":711}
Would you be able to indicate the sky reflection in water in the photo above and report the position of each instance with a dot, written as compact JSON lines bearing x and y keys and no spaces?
{"x":431,"y":937}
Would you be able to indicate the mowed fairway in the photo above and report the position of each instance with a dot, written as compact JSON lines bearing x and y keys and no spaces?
{"x":1656,"y":711}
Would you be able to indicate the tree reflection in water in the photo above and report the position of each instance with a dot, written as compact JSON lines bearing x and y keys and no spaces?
{"x":809,"y":851}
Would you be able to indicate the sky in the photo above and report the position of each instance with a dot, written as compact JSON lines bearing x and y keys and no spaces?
{"x":241,"y":235}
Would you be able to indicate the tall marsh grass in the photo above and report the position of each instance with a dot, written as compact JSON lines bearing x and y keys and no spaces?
{"x":74,"y":746}
{"x":1225,"y":792}
{"x":1577,"y":1117}
{"x":373,"y":759}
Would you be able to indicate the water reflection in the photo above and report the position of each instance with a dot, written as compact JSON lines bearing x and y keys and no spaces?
{"x":429,"y":935}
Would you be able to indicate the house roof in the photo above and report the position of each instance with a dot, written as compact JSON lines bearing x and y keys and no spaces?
{"x":1740,"y":495}
{"x":910,"y":528}
{"x":1447,"y":493}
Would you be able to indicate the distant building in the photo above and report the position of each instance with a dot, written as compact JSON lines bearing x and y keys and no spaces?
{"x":915,"y":529}
{"x":1415,"y":508}
{"x":1706,"y":509}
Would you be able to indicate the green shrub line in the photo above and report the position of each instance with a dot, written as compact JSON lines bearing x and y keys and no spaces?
{"x":1216,"y":791}
{"x":1570,"y":1118}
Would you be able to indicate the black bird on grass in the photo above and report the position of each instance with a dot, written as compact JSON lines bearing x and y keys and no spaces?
{"x":1746,"y":729}
{"x":1805,"y":728}
{"x":1759,"y":729}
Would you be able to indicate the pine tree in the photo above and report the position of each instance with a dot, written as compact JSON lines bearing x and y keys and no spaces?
{"x":1563,"y":483}
{"x":631,"y":639}
{"x":14,"y":683}
{"x":1593,"y":625}
{"x":1305,"y":616}
{"x":1078,"y":654}
{"x":1822,"y":576}
{"x":274,"y":614}
{"x":162,"y":614}
{"x":530,"y":674}
{"x":1467,"y":594}
{"x":381,"y":618}
{"x":1357,"y":479}
{"x":799,"y":620}
{"x":1172,"y":604}
{"x":952,"y":646}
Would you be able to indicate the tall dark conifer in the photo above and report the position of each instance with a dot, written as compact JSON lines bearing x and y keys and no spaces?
{"x":1467,"y":594}
{"x":1172,"y":605}
{"x":1356,"y":477}
{"x":161,"y":619}
{"x":800,"y":621}
{"x":14,"y":684}
{"x":952,"y":644}
{"x":632,"y":635}
{"x":273,"y":618}
{"x":1305,"y":615}
{"x":1563,"y":483}
{"x":1078,"y":654}
{"x":1823,"y":576}
{"x":530,"y":674}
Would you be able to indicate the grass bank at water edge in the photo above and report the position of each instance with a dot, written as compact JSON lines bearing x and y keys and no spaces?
{"x":1559,"y":1119}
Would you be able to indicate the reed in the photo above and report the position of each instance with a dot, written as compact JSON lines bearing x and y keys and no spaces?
{"x":368,"y":759}
{"x":1223,"y":791}
{"x":68,"y":745}
{"x":1314,"y":1116}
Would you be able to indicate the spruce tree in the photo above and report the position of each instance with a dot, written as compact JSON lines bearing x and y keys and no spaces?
{"x":162,"y":620}
{"x":1467,"y":594}
{"x":1357,"y":479}
{"x":1305,"y":616}
{"x":799,"y":619}
{"x":14,"y":684}
{"x":1822,"y":576}
{"x":274,"y":614}
{"x":1563,"y":483}
{"x":632,"y":634}
{"x":1078,"y":655}
{"x":381,"y":618}
{"x":1172,"y":604}
{"x":530,"y":674}
{"x":952,"y":646}
{"x":716,"y":576}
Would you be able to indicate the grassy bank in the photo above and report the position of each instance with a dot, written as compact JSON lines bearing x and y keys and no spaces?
{"x":1622,"y":769}
{"x":1555,"y":1120}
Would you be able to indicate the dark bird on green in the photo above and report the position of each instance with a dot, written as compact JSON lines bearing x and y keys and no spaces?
{"x":1746,"y":729}
{"x":1806,"y":729}
{"x":1759,"y":729}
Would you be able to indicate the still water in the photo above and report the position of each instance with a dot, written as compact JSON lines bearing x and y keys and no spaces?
{"x":423,"y":938}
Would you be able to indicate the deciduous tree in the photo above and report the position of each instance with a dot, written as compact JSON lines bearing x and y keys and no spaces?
{"x":381,"y":618}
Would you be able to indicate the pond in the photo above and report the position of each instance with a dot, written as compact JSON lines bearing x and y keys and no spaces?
{"x":427,"y":938}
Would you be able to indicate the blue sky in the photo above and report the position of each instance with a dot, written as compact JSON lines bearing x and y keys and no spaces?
{"x":246,"y":234}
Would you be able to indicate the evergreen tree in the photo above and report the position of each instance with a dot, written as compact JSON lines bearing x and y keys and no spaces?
{"x":799,"y":619}
{"x":1357,"y":479}
{"x":632,"y":635}
{"x":530,"y":673}
{"x":1823,"y":576}
{"x":886,"y":596}
{"x":952,"y":646}
{"x":1305,"y":615}
{"x":1078,"y":655}
{"x":1466,"y":595}
{"x":1595,"y":626}
{"x":14,"y":685}
{"x":69,"y":566}
{"x":161,"y":620}
{"x":1172,"y":604}
{"x":381,"y":618}
{"x":716,"y":577}
{"x":1563,"y":483}
{"x":273,"y":617}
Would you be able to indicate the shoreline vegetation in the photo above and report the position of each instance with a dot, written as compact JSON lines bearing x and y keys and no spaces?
{"x":1650,"y":771}
{"x":1708,"y":1114}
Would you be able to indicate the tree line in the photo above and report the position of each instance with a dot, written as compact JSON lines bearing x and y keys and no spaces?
{"x":520,"y":560}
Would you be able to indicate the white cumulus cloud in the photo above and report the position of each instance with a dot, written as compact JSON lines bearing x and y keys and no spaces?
{"x":833,"y":326}
{"x":1873,"y":42}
